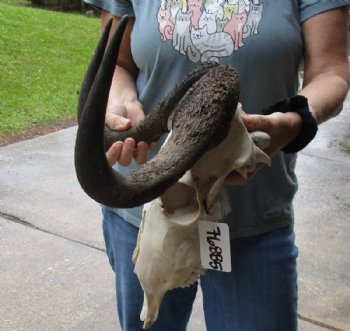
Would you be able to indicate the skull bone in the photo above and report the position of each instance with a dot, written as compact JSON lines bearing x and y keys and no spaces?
{"x":167,"y":254}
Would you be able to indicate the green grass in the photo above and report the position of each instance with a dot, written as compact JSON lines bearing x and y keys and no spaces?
{"x":43,"y":56}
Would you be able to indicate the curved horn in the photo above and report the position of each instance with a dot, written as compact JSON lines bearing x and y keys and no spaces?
{"x":92,"y":69}
{"x":202,"y":107}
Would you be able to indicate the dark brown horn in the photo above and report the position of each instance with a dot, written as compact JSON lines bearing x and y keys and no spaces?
{"x":92,"y":69}
{"x":202,"y":106}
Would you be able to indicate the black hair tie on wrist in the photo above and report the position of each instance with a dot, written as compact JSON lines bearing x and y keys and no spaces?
{"x":297,"y":104}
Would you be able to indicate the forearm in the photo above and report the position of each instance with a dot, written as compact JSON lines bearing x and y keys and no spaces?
{"x":326,"y":93}
{"x":124,"y":108}
{"x":326,"y":67}
{"x":123,"y":88}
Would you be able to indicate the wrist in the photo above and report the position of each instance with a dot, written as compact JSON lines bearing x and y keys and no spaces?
{"x":121,"y":94}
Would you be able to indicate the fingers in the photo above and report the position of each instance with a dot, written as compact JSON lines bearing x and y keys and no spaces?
{"x":114,"y":152}
{"x":121,"y":117}
{"x":257,"y":122}
{"x":141,"y":152}
{"x":281,"y":127}
{"x":269,"y":124}
{"x":125,"y":152}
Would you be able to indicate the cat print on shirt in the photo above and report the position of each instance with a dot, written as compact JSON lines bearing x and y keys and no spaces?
{"x":254,"y":18}
{"x":243,"y":6}
{"x":235,"y":28}
{"x":166,"y":26}
{"x":211,"y":46}
{"x":220,"y":24}
{"x":229,"y":10}
{"x":214,"y":6}
{"x":205,"y":30}
{"x":208,"y":19}
{"x":174,"y":5}
{"x":181,"y":36}
{"x":195,"y":7}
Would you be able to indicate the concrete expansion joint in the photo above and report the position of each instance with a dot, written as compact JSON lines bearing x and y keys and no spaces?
{"x":15,"y":219}
{"x":343,"y":161}
{"x":318,"y":323}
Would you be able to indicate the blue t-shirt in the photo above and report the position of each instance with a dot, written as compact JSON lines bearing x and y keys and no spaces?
{"x":262,"y":40}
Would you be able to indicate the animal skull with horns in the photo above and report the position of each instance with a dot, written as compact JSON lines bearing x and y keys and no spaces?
{"x":181,"y":183}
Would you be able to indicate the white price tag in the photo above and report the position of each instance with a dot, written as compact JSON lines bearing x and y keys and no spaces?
{"x":215,"y":246}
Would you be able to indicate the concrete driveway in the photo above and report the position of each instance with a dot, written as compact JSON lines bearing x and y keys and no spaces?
{"x":53,"y":270}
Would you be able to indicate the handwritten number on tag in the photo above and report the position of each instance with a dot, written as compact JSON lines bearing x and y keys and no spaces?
{"x":213,"y":235}
{"x":215,"y":246}
{"x":216,"y":258}
{"x":215,"y":251}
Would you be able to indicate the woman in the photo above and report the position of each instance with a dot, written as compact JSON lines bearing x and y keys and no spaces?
{"x":265,"y":41}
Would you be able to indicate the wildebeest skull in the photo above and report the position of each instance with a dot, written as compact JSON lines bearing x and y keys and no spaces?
{"x":167,"y":254}
{"x":208,"y":140}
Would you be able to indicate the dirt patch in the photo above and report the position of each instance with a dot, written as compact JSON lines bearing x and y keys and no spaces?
{"x":35,"y":131}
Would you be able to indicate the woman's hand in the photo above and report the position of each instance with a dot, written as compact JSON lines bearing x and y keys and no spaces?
{"x":282,"y":129}
{"x":121,"y":117}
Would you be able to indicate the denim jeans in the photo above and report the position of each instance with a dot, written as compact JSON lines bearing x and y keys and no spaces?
{"x":260,"y":294}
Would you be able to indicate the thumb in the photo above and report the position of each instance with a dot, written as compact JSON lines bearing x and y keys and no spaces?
{"x":255,"y":122}
{"x":117,"y":122}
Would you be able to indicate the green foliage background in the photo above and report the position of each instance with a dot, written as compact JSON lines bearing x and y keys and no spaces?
{"x":43,"y":56}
